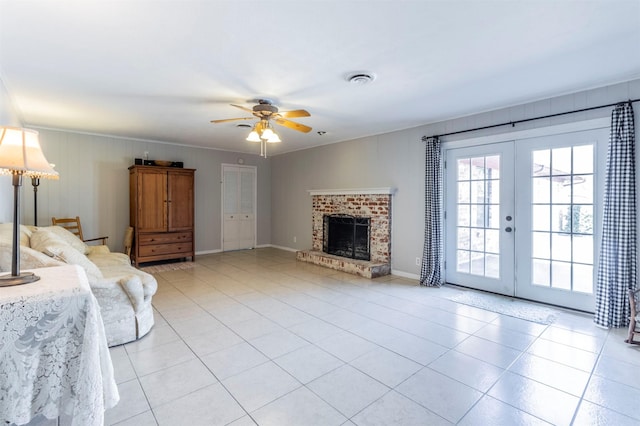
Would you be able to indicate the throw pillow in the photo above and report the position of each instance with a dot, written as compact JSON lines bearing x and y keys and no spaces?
{"x":6,"y":234}
{"x":69,"y":238}
{"x":52,"y":245}
{"x":29,"y":258}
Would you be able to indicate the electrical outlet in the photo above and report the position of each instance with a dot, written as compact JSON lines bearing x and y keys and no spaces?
{"x":418,"y":261}
{"x":295,"y":239}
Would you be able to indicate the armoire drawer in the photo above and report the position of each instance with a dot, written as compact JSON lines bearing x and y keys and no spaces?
{"x":165,"y":238}
{"x":154,"y":250}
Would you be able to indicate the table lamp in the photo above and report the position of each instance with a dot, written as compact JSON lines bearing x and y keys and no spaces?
{"x":21,"y":155}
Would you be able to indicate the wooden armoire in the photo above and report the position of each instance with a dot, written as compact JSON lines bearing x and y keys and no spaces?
{"x":161,"y":212}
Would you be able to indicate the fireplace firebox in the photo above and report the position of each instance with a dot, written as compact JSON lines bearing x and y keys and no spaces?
{"x":347,"y":236}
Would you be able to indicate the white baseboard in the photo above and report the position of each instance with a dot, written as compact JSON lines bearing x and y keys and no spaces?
{"x":258,"y":246}
{"x":405,"y":274}
{"x":208,"y":252}
{"x":281,"y":247}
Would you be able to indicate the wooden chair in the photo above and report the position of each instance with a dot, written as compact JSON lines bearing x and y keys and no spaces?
{"x":128,"y":241}
{"x":634,"y":321}
{"x":72,"y":224}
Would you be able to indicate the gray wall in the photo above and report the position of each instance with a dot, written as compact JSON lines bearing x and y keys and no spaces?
{"x":94,"y":184}
{"x":397,"y":160}
{"x":94,"y":177}
{"x":391,"y":160}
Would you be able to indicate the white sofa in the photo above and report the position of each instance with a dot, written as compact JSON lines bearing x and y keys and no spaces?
{"x":123,"y":292}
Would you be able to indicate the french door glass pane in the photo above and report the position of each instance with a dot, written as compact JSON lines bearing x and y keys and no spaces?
{"x":464,"y":238}
{"x":583,"y":189}
{"x":541,"y":272}
{"x":478,"y":198}
{"x":541,"y":245}
{"x":583,"y":249}
{"x":541,"y":217}
{"x":583,"y":159}
{"x":462,"y":264}
{"x":561,"y":246}
{"x":464,"y":192}
{"x":492,"y":241}
{"x":493,"y":212}
{"x":541,"y":189}
{"x":582,"y":278}
{"x":492,"y":268}
{"x":562,"y":211}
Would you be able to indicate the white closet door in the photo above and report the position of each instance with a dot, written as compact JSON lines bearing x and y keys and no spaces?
{"x":238,"y":200}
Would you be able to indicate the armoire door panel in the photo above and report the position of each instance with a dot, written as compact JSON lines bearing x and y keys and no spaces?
{"x":180,"y":201}
{"x":152,"y":201}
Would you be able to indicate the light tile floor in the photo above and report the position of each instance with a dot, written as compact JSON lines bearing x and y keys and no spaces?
{"x":254,"y":337}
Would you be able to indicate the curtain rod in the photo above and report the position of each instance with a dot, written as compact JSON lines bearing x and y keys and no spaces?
{"x":513,"y":123}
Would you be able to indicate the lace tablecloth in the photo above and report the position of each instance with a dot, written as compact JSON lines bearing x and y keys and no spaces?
{"x":54,"y":359}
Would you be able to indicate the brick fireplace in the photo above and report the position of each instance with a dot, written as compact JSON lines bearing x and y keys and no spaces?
{"x":371,"y":203}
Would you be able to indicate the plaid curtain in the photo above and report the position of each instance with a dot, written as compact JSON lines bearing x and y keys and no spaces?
{"x":431,"y":269}
{"x":617,"y":265}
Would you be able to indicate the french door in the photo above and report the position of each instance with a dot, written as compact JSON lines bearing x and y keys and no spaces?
{"x":480,"y":217}
{"x":522,"y":218}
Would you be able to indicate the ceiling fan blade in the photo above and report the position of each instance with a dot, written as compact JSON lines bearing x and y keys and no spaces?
{"x":232,"y":119}
{"x":292,"y":125}
{"x":295,"y":113}
{"x":243,"y":108}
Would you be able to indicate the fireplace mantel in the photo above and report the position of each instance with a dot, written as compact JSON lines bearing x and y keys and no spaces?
{"x":354,"y":191}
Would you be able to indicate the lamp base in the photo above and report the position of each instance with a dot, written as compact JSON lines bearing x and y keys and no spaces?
{"x":22,"y":278}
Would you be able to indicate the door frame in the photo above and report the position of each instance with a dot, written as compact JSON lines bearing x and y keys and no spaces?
{"x":593,"y":124}
{"x":255,"y":200}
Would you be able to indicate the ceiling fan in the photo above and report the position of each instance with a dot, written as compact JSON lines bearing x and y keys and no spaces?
{"x":262,"y":131}
{"x":265,"y":111}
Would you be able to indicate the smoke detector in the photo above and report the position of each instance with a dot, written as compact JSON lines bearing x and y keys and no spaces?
{"x":361,"y":78}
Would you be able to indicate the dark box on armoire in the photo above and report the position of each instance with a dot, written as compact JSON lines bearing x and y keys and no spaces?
{"x":140,"y":162}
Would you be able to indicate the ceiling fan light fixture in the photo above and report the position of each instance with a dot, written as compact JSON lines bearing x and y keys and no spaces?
{"x":253,"y":136}
{"x":267,"y":133}
{"x":274,"y":138}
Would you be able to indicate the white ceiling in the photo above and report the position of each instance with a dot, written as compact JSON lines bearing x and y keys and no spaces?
{"x":161,"y":70}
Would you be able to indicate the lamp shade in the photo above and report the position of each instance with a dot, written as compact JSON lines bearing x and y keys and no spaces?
{"x":20,"y":152}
